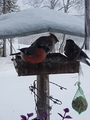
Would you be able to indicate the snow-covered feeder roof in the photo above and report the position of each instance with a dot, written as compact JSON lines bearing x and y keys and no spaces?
{"x":38,"y":20}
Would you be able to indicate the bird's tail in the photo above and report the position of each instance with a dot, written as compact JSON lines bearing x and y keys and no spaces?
{"x":15,"y":53}
{"x":87,"y":62}
{"x":89,"y":58}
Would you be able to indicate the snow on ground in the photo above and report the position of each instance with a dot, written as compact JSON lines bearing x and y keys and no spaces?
{"x":14,"y":92}
{"x":16,"y":99}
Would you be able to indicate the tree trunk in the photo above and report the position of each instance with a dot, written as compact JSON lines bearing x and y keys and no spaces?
{"x":4,"y":40}
{"x":4,"y":48}
{"x":61,"y":49}
{"x":87,"y":23}
{"x":10,"y":46}
{"x":4,"y":7}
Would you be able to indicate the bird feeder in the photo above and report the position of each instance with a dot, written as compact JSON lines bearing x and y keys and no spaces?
{"x":54,"y":63}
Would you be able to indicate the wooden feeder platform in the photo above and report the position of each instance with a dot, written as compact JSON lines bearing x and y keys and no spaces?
{"x":55,"y":63}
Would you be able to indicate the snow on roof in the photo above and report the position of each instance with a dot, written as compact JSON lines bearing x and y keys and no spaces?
{"x":38,"y":20}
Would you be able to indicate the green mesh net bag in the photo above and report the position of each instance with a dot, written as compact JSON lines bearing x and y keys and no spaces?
{"x":79,"y":102}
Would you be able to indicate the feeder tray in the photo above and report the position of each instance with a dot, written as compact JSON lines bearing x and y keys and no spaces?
{"x":55,"y":63}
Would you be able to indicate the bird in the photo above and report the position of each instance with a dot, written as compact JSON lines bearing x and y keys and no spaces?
{"x":36,"y":56}
{"x":74,"y":52}
{"x":48,"y":41}
{"x":39,"y":49}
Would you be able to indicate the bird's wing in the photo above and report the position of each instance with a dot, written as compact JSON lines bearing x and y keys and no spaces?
{"x":31,"y":50}
{"x":42,"y":41}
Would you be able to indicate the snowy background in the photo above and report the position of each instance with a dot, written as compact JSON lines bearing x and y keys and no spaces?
{"x":16,"y":99}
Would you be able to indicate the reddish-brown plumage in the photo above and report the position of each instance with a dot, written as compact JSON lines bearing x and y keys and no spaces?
{"x":38,"y":57}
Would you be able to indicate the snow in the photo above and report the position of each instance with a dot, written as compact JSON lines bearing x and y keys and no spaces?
{"x":38,"y":20}
{"x":16,"y":99}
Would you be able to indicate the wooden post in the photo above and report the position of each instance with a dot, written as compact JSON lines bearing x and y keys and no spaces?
{"x":42,"y":99}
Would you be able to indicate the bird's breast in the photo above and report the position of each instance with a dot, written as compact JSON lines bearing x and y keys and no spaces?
{"x":38,"y":57}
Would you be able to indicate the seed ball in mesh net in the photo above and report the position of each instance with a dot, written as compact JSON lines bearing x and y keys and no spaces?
{"x":79,"y":104}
